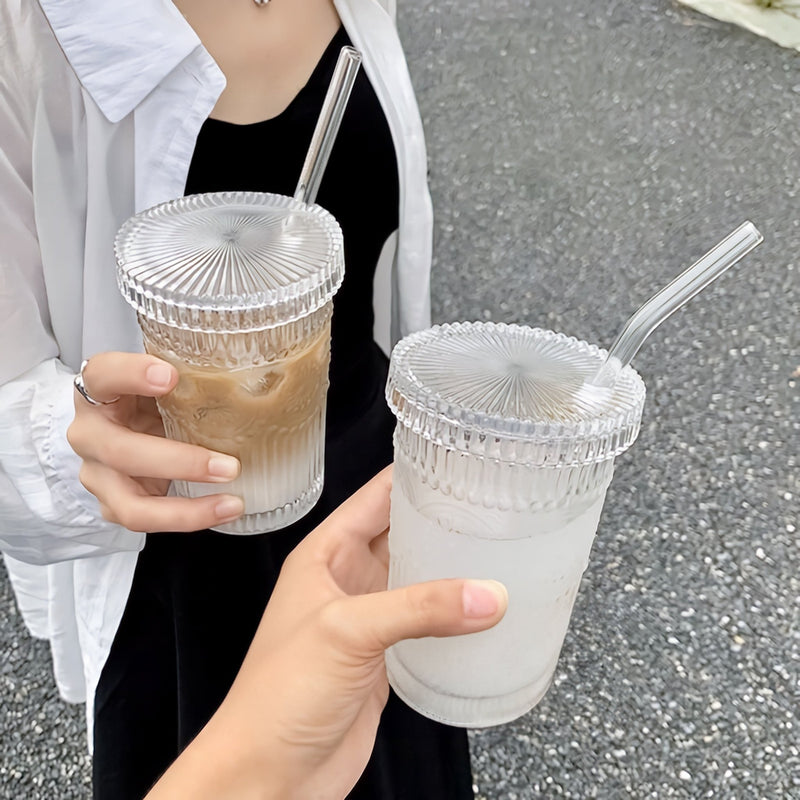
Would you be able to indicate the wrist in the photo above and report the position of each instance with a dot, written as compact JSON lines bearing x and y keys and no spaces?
{"x":221,"y":764}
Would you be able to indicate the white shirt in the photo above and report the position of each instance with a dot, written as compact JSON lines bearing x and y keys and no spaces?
{"x":100,"y":107}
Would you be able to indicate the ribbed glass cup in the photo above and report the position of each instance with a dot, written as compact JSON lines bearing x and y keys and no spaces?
{"x":235,"y":289}
{"x":500,"y":472}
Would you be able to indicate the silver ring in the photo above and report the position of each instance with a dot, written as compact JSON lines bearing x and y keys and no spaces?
{"x":81,"y":387}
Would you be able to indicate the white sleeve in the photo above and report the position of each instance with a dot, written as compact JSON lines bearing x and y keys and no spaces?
{"x":46,"y":515}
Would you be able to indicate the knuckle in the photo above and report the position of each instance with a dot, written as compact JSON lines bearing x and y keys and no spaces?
{"x":93,"y":368}
{"x":198,"y":520}
{"x":423,"y":606}
{"x":75,"y":437}
{"x":197,"y":462}
{"x":184,"y":515}
{"x":101,"y":449}
{"x":176,"y":460}
{"x":85,"y":477}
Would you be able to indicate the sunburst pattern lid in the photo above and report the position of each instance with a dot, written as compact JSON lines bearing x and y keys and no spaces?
{"x":229,"y":261}
{"x":513,"y":393}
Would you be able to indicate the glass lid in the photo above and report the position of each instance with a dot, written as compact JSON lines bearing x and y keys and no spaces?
{"x":229,"y":261}
{"x":511,"y":392}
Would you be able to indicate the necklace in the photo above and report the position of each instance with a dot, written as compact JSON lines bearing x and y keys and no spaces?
{"x":261,"y":2}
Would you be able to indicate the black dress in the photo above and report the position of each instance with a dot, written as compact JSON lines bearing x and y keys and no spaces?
{"x":197,"y":598}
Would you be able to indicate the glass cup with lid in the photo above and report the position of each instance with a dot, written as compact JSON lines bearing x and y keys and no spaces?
{"x":500,"y":473}
{"x":235,"y":290}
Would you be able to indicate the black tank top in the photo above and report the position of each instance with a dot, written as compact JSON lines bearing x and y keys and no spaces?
{"x":360,"y":188}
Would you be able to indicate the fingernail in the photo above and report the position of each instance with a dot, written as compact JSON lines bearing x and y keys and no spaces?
{"x":226,"y":467}
{"x":229,"y":508}
{"x":159,"y":375}
{"x":483,"y":598}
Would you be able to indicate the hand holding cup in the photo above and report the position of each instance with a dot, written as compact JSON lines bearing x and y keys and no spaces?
{"x":301,"y":717}
{"x":128,"y":464}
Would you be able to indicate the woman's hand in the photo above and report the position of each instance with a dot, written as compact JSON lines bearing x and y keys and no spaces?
{"x":128,"y":463}
{"x":300,"y":719}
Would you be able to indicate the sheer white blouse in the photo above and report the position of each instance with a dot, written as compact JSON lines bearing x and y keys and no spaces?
{"x":100,"y":107}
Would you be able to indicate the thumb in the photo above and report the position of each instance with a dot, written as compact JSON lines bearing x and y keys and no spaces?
{"x":376,"y":621}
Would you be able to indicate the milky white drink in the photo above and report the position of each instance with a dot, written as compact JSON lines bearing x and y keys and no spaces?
{"x":234,"y":289}
{"x":540,"y":560}
{"x":499,"y":473}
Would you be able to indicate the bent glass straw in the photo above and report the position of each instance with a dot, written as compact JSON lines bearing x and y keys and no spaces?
{"x":661,"y":305}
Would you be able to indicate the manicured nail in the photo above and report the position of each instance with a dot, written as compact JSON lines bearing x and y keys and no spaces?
{"x":223,"y":467}
{"x":229,"y":508}
{"x":159,"y":375}
{"x":483,"y":598}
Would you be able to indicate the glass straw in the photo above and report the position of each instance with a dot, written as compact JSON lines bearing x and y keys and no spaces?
{"x":674,"y":295}
{"x":328,"y":123}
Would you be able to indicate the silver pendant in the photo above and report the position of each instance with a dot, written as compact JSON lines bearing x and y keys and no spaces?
{"x":261,"y":2}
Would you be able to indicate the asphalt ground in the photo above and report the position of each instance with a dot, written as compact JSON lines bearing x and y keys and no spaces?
{"x":581,"y":153}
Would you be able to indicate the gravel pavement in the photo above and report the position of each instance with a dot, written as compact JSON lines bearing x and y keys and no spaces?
{"x":581,"y":152}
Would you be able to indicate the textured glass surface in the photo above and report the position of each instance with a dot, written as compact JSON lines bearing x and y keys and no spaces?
{"x":501,"y":472}
{"x":454,"y":515}
{"x":229,"y":261}
{"x":511,"y":393}
{"x":258,"y":396}
{"x":234,"y":289}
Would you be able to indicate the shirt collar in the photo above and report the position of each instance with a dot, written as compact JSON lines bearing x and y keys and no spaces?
{"x":120,"y":50}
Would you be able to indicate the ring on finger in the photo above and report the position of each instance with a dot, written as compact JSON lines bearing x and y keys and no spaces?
{"x":80,"y":385}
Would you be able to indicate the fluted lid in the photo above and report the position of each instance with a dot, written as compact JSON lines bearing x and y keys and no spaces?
{"x":229,"y":261}
{"x":511,"y":392}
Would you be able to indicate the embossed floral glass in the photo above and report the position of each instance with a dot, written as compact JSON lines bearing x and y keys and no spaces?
{"x":235,"y":289}
{"x":500,"y":474}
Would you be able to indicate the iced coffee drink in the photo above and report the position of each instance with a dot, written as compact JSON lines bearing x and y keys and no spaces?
{"x":499,"y":474}
{"x":270,"y":416}
{"x":235,"y":290}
